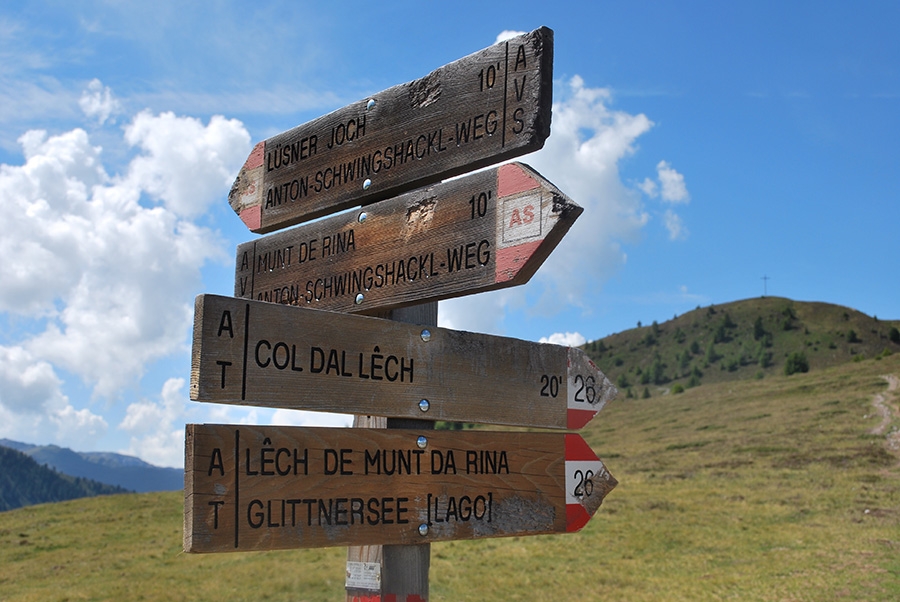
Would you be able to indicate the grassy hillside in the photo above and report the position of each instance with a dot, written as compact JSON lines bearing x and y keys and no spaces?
{"x":740,"y":340}
{"x":769,"y":489}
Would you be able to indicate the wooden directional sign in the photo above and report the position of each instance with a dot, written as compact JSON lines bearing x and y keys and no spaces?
{"x":254,"y":353}
{"x":267,"y":488}
{"x":485,"y":231}
{"x":479,"y":110}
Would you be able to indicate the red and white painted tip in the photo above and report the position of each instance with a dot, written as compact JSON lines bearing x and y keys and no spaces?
{"x":588,"y":390}
{"x":587,"y":483}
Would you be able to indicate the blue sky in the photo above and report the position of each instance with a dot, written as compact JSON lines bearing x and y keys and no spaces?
{"x":711,"y":144}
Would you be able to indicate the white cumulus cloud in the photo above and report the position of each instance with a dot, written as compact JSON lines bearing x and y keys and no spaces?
{"x":569,"y":339}
{"x":581,"y":158}
{"x":98,"y":102}
{"x":672,"y":186}
{"x":157,"y":428}
{"x":184,"y":163}
{"x":508,"y":34}
{"x":32,"y":404}
{"x":675,"y":226}
{"x":103,"y":279}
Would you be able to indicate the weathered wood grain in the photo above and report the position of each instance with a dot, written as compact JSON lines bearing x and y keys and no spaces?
{"x":264,"y":354}
{"x":484,"y":231}
{"x":266,"y":488}
{"x":479,"y":110}
{"x":405,"y":568}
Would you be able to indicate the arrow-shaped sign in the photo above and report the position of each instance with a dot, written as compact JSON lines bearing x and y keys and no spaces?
{"x":485,"y":231}
{"x":482,"y":109}
{"x":263,"y":354}
{"x":267,"y":488}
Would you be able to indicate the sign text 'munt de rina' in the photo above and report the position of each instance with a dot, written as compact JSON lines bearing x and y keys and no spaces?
{"x":484,"y":231}
{"x":479,"y":110}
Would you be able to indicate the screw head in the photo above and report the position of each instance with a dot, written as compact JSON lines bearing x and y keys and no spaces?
{"x":359,"y":298}
{"x":423,"y":529}
{"x":426,"y":335}
{"x":424,"y":405}
{"x":422,"y":442}
{"x":367,"y":184}
{"x":371,"y":104}
{"x":362,"y":217}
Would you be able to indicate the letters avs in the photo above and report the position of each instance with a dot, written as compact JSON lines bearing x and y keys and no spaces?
{"x":482,"y":109}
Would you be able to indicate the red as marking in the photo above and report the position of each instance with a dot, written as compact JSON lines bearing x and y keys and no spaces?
{"x":526,"y":217}
{"x":511,"y":259}
{"x":367,"y":598}
{"x":512,"y":179}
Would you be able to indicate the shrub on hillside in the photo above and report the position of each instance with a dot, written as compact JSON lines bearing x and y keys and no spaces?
{"x":758,"y":330}
{"x":711,"y":356}
{"x":894,"y":334}
{"x":658,"y":371}
{"x":796,"y":362}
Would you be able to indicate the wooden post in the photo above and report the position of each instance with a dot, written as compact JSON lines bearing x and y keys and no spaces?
{"x":404,"y":569}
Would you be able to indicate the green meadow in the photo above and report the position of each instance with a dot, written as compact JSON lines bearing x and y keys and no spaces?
{"x":768,"y":488}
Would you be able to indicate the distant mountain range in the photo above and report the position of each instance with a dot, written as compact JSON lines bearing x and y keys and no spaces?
{"x":116,"y":470}
{"x":24,"y":482}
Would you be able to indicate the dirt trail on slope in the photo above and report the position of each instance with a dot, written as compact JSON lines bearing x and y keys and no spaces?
{"x":886,"y":406}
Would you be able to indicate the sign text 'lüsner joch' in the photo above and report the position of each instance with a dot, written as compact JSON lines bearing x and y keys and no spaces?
{"x":487,"y":107}
{"x":266,"y":488}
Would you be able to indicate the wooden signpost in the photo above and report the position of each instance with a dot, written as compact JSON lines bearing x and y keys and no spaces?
{"x":481,"y":232}
{"x":267,"y":488}
{"x":477,"y":111}
{"x":255,"y":353}
{"x":415,"y":240}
